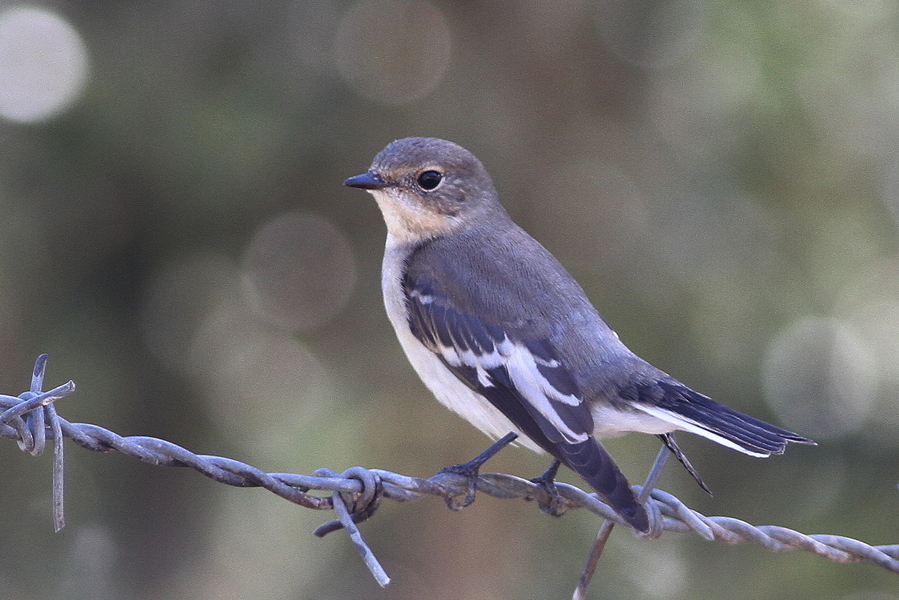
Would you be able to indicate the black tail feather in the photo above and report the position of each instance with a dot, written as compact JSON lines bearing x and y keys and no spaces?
{"x":750,"y":433}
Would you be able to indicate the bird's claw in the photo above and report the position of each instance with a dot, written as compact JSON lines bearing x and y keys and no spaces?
{"x":471,"y":469}
{"x":552,"y":502}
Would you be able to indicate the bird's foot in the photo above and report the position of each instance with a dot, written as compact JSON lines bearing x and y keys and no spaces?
{"x":554,"y":504}
{"x":471,"y":469}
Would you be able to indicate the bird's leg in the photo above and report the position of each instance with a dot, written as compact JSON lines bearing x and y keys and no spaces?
{"x":670,"y":442}
{"x":471,"y":469}
{"x":556,"y":505}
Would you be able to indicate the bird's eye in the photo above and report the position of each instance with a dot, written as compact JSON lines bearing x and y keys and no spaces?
{"x":429,"y":180}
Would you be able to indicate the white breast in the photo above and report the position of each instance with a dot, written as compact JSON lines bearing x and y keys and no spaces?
{"x":445,"y":386}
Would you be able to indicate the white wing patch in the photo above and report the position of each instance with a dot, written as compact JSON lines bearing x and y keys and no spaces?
{"x":483,"y":355}
{"x":537,"y":390}
{"x":529,"y":382}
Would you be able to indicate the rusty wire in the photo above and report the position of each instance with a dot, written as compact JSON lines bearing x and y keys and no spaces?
{"x":356,"y":493}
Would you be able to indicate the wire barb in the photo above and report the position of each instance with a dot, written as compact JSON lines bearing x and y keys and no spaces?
{"x":356,"y":493}
{"x":605,"y":530}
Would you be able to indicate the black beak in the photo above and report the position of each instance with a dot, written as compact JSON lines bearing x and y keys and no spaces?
{"x":366,"y":181}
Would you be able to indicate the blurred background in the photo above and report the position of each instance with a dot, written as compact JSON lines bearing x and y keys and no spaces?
{"x":722,"y":178}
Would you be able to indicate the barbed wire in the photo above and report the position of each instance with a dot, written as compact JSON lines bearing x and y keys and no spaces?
{"x":357,"y":493}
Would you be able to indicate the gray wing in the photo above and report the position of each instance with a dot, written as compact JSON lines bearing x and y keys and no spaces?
{"x":526,"y":380}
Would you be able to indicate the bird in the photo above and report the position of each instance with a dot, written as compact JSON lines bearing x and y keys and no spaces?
{"x":502,"y":334}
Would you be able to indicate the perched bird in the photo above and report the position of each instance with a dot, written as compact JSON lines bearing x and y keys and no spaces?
{"x":502,"y":334}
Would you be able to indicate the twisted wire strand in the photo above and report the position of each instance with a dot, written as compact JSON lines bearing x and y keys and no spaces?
{"x":356,"y":493}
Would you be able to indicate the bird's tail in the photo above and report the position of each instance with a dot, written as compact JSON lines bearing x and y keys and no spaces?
{"x":691,"y":411}
{"x":592,"y":462}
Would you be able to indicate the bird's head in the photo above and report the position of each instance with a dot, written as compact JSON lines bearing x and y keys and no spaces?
{"x":427,"y":187}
